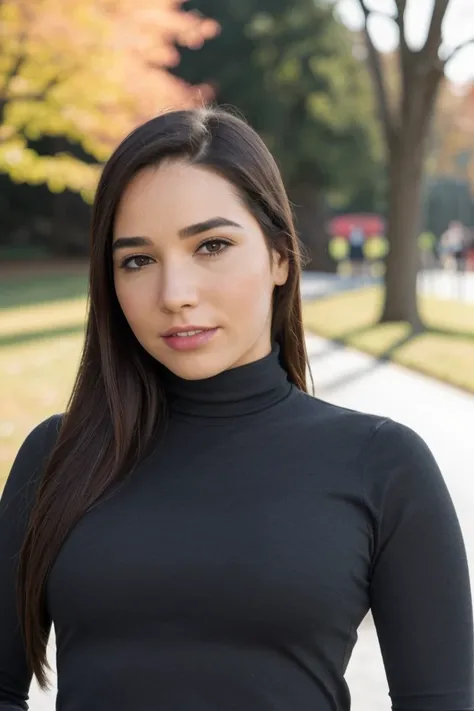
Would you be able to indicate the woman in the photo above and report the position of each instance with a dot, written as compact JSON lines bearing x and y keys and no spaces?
{"x":203,"y":533}
{"x":356,"y":251}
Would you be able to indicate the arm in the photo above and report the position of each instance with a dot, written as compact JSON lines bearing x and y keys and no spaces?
{"x":419,"y":588}
{"x":15,"y":506}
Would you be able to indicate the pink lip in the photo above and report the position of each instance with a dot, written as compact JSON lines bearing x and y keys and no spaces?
{"x":188,"y":343}
{"x":183,"y":329}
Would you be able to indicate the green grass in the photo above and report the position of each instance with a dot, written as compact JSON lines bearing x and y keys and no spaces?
{"x":445,"y":351}
{"x":47,"y":288}
{"x":41,"y":336}
{"x":23,"y":253}
{"x":37,"y":378}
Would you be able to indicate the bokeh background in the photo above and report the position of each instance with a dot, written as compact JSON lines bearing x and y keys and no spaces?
{"x":368,"y":106}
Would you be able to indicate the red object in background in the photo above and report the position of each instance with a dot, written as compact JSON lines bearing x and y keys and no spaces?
{"x":372,"y":225}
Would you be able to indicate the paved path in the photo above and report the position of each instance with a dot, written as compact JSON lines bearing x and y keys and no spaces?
{"x":442,"y":415}
{"x":442,"y":285}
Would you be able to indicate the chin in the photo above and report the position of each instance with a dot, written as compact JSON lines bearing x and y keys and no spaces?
{"x":195,"y":366}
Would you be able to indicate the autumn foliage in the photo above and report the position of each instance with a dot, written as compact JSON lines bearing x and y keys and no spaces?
{"x":89,"y":70}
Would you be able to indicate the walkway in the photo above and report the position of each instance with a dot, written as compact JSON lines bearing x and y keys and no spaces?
{"x":442,"y":285}
{"x":440,"y":414}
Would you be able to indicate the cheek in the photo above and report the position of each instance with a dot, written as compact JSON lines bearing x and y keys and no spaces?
{"x":248,"y":293}
{"x":135,"y":297}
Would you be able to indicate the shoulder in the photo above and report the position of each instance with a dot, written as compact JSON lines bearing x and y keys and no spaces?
{"x":380,"y":448}
{"x":400,"y":473}
{"x":42,"y":437}
{"x":377,"y":434}
{"x":395,"y":448}
{"x":334,"y":423}
{"x":398,"y":477}
{"x":31,"y":456}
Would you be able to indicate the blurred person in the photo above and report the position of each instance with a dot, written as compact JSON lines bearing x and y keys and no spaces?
{"x":356,"y":250}
{"x":454,"y":245}
{"x":202,"y":532}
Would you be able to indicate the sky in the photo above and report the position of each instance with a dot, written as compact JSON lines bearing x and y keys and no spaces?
{"x":458,"y":27}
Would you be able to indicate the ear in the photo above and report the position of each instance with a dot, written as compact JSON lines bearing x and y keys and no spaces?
{"x":280,"y":268}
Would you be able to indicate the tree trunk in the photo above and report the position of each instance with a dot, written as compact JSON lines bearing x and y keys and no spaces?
{"x":310,"y":213}
{"x":406,"y":123}
{"x":404,"y":224}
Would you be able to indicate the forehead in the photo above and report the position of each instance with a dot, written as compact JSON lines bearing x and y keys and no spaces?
{"x":178,"y":195}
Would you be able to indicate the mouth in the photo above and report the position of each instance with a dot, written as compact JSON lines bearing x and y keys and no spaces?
{"x":189,"y":338}
{"x":184,"y":331}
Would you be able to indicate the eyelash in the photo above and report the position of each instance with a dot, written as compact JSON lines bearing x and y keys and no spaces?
{"x":225,"y":243}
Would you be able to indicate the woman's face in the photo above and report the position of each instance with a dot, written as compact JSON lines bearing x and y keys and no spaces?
{"x":189,"y":258}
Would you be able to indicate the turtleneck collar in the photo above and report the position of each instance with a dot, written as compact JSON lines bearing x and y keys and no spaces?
{"x":239,"y":391}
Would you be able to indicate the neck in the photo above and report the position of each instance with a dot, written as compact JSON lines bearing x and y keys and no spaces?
{"x":235,"y":392}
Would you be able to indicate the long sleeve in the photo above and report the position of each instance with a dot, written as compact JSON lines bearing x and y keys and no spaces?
{"x":420,"y":589}
{"x":15,"y":506}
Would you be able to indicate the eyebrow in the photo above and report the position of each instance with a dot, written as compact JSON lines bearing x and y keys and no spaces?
{"x":206,"y":226}
{"x":124,"y":242}
{"x":190,"y":231}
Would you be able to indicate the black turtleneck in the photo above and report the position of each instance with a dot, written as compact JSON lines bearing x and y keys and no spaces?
{"x":233,"y":569}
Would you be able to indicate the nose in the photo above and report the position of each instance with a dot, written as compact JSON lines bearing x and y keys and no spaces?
{"x":178,"y":288}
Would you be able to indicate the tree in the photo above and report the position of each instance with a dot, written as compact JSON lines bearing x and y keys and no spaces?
{"x":406,"y":126}
{"x":88,"y":71}
{"x":289,"y":68}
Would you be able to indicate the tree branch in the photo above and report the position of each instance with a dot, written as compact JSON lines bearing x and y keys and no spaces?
{"x":400,"y":20}
{"x":11,"y":74}
{"x":429,"y":51}
{"x":406,"y":54}
{"x":457,"y":49}
{"x":4,"y":90}
{"x":36,"y":95}
{"x":367,"y":12}
{"x":376,"y":69}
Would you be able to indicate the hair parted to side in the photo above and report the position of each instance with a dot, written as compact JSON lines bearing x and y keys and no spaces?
{"x":117,"y":403}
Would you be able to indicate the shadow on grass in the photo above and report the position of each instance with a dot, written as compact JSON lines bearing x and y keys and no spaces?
{"x":376,"y":361}
{"x":32,"y":291}
{"x":463,"y":335}
{"x":16,"y":339}
{"x":360,"y":373}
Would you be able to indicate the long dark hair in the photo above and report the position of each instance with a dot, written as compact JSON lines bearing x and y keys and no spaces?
{"x":117,"y":404}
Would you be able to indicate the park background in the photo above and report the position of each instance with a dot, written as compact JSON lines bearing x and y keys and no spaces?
{"x":368,"y":106}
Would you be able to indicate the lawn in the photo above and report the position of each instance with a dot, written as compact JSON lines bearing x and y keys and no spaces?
{"x":42,"y":329}
{"x":41,"y":335}
{"x":445,"y":351}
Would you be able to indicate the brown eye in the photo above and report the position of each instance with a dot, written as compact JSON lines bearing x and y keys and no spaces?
{"x":140,"y":261}
{"x":213,"y":247}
